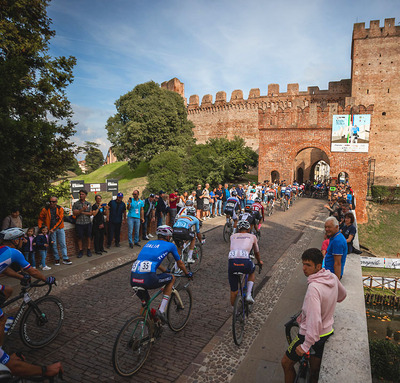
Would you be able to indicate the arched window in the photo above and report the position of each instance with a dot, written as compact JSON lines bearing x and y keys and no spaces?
{"x":274,"y":176}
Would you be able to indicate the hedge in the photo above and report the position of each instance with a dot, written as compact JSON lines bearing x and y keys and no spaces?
{"x":385,"y":194}
{"x":385,"y":360}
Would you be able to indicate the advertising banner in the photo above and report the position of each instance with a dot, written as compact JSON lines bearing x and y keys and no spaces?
{"x":76,"y":186}
{"x":350,"y":133}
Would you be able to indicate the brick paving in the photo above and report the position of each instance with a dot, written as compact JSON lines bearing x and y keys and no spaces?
{"x":96,"y":309}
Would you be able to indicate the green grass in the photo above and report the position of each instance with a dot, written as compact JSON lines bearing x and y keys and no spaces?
{"x":381,"y":233}
{"x":381,"y":272}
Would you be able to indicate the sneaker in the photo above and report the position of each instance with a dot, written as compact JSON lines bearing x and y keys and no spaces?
{"x":80,"y":254}
{"x":117,"y":245}
{"x":191,"y":260}
{"x":150,"y":235}
{"x":137,"y":244}
{"x":89,"y":253}
{"x":249,"y":299}
{"x":98,"y":252}
{"x":104,"y":251}
{"x":44,"y":268}
{"x":67,"y":261}
{"x":147,"y":237}
{"x":131,"y":245}
{"x":162,"y":317}
{"x":57,"y":262}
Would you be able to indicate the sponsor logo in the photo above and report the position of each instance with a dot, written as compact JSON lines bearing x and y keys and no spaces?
{"x":137,"y":280}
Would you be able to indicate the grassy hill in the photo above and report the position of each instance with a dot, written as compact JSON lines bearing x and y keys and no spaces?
{"x":128,"y":180}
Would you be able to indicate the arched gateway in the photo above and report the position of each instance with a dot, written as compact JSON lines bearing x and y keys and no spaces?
{"x":284,"y":133}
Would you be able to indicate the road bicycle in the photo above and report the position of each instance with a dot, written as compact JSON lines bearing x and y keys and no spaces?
{"x":269,"y":208}
{"x":303,"y":374}
{"x":241,"y":308}
{"x":228,"y":229}
{"x":7,"y":377}
{"x":134,"y":341}
{"x":41,"y":319}
{"x":284,"y":203}
{"x":197,"y":256}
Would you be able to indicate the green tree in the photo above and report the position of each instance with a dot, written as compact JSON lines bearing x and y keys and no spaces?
{"x":149,"y":120}
{"x":73,"y":166}
{"x":35,"y":115}
{"x":94,"y":157}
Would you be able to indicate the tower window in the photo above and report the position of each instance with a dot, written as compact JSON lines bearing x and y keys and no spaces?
{"x":367,"y":91}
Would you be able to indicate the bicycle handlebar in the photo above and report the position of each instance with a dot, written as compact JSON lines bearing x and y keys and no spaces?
{"x":259,"y":267}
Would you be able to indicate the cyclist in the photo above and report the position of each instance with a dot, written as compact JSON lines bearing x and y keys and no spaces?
{"x":248,"y":215}
{"x":239,"y":259}
{"x":184,"y":229}
{"x":288,"y":194}
{"x":316,"y":318}
{"x":11,"y":240}
{"x":231,"y":208}
{"x":258,"y":212}
{"x":271,"y":196}
{"x":144,"y":269}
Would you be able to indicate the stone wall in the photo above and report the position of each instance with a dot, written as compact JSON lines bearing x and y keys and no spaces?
{"x":375,"y":80}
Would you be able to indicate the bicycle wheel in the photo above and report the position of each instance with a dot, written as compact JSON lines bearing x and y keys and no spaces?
{"x":42,"y":321}
{"x":291,"y":330}
{"x":227,"y":232}
{"x":197,"y":256}
{"x":303,"y":374}
{"x":179,"y":308}
{"x":132,"y":346}
{"x":238,"y":320}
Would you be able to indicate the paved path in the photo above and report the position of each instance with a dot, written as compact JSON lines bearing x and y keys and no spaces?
{"x":96,"y":308}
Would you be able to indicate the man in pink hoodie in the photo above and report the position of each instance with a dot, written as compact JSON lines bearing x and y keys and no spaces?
{"x":316,"y":318}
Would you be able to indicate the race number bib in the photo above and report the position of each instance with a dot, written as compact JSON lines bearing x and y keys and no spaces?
{"x":145,"y":267}
{"x":238,"y":254}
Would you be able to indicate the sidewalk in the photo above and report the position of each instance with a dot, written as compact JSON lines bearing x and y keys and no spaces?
{"x":87,"y":267}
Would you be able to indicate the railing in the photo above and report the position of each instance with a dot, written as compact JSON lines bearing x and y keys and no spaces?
{"x":388,"y":284}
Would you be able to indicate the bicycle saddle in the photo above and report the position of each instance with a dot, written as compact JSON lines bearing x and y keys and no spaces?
{"x":137,"y":288}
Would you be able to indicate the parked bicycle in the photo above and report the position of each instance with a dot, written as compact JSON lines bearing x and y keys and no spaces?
{"x":241,"y":309}
{"x":134,"y":341}
{"x":228,"y":230}
{"x":303,"y":374}
{"x":41,"y":319}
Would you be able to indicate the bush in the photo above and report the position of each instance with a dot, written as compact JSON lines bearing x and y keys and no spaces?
{"x":385,"y":360}
{"x":385,"y":194}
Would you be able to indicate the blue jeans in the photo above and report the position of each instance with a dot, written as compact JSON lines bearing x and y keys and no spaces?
{"x":223,"y":206}
{"x":133,"y":223}
{"x":211,"y":208}
{"x":30,"y":257}
{"x":59,"y":236}
{"x":218,"y":208}
{"x":43,"y":255}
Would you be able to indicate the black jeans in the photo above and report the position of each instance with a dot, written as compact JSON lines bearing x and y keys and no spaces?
{"x":98,"y":238}
{"x":114,"y":231}
{"x":144,"y":226}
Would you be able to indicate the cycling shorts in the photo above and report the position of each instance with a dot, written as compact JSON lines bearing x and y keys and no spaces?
{"x":231,"y":213}
{"x":317,"y":348}
{"x":149,"y":281}
{"x":271,"y":197}
{"x":182,"y":234}
{"x":245,"y":266}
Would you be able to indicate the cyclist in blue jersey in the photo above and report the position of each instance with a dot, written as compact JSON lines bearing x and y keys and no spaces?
{"x":288,"y":194}
{"x":11,"y":240}
{"x":186,"y":228}
{"x":144,"y":269}
{"x":231,"y":209}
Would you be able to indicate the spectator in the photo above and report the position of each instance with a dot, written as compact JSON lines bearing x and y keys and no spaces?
{"x":241,"y":195}
{"x":212,"y":202}
{"x":28,"y":247}
{"x":161,"y":208}
{"x":116,"y":214}
{"x":173,"y":200}
{"x":12,"y":220}
{"x":135,"y":218}
{"x":206,"y":202}
{"x":225,"y":195}
{"x":52,"y":216}
{"x":82,"y":210}
{"x":192,"y":198}
{"x":149,"y":216}
{"x":349,"y":231}
{"x":218,"y":197}
{"x":42,"y":242}
{"x":100,"y":212}
{"x":182,"y":200}
{"x":333,"y":207}
{"x":199,"y":202}
{"x":316,"y":318}
{"x":324,"y":246}
{"x":336,"y":252}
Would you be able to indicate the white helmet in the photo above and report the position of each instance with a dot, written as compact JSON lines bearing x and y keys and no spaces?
{"x":164,"y":231}
{"x":243,"y":224}
{"x":190,"y":210}
{"x":12,"y":233}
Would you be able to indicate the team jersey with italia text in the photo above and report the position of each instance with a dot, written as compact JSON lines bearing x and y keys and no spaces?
{"x":241,"y":245}
{"x":152,"y":254}
{"x":9,"y":255}
{"x":187,"y":222}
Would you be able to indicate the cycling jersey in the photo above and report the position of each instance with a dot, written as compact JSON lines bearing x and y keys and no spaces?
{"x":249,"y":217}
{"x":187,"y":222}
{"x":232,"y":205}
{"x":258,"y":209}
{"x":288,"y":191}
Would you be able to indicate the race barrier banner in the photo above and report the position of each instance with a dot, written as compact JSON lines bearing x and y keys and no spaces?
{"x":386,"y":263}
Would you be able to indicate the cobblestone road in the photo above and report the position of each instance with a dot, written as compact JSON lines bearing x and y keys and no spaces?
{"x":98,"y":308}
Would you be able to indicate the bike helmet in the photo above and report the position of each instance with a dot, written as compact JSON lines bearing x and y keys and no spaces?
{"x":12,"y":233}
{"x":243,"y":224}
{"x":234,"y":193}
{"x":164,"y":231}
{"x":248,"y":208}
{"x":190,"y":210}
{"x":189,"y":202}
{"x":258,"y":199}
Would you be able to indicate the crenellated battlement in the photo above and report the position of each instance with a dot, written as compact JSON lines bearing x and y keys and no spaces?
{"x":337,"y":91}
{"x":375,"y":30}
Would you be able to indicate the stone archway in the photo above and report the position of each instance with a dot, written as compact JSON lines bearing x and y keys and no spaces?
{"x":275,"y":176}
{"x":306,"y":161}
{"x":300,"y":175}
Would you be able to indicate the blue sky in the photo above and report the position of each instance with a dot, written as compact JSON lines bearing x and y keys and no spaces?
{"x":210,"y":46}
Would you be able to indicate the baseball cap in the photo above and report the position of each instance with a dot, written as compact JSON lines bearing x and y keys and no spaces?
{"x":161,"y":192}
{"x":151,"y":195}
{"x":120,"y":195}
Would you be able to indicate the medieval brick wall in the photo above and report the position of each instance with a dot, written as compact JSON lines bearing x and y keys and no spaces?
{"x":376,"y":80}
